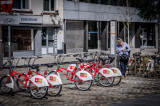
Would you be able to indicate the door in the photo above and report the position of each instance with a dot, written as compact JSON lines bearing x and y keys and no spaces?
{"x":144,"y":37}
{"x":48,"y":41}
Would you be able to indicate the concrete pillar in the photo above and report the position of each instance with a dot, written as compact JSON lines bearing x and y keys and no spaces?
{"x":1,"y":58}
{"x":64,"y":46}
{"x":156,"y":35}
{"x":159,"y":33}
{"x":85,"y":44}
{"x":38,"y":42}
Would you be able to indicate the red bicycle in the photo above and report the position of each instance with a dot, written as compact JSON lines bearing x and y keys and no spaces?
{"x":36,"y":85}
{"x":55,"y":83}
{"x":82,"y":79}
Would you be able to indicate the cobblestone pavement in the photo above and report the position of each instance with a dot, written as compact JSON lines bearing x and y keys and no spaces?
{"x":129,"y":88}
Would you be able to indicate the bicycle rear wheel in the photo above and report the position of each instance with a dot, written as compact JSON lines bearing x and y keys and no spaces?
{"x":108,"y":81}
{"x":83,"y":86}
{"x":38,"y":93}
{"x":21,"y":82}
{"x":3,"y":84}
{"x":54,"y":90}
{"x":117,"y":80}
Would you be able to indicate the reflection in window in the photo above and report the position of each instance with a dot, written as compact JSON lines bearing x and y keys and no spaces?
{"x":21,"y":4}
{"x":44,"y":37}
{"x":50,"y":37}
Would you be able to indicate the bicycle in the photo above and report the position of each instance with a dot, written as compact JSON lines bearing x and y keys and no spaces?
{"x":82,"y":79}
{"x":104,"y":75}
{"x":36,"y":85}
{"x":153,"y":64}
{"x":55,"y":83}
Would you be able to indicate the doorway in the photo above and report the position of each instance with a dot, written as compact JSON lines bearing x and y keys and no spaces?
{"x":48,"y":35}
{"x":93,"y":35}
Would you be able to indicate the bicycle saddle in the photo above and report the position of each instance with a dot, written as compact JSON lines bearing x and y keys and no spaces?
{"x":80,"y":60}
{"x":49,"y":65}
{"x":34,"y":67}
{"x":103,"y":59}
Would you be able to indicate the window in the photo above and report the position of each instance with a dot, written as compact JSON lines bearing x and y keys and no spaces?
{"x":49,"y":5}
{"x":44,"y":37}
{"x":21,"y":4}
{"x":47,"y":37}
{"x":106,"y":2}
{"x":94,"y":1}
{"x":87,"y":1}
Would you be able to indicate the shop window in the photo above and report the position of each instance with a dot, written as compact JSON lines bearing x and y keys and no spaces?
{"x":50,"y":37}
{"x":49,"y":5}
{"x":47,"y":37}
{"x":106,"y":2}
{"x":21,"y":4}
{"x":94,"y":1}
{"x":44,"y":37}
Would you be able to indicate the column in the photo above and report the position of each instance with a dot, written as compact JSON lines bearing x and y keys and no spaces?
{"x":38,"y":42}
{"x":85,"y":44}
{"x":1,"y":61}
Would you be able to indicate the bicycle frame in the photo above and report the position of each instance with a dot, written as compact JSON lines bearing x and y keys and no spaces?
{"x":13,"y":74}
{"x":73,"y":74}
{"x":92,"y":67}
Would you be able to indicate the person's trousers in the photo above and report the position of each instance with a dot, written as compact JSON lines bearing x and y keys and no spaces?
{"x":123,"y":65}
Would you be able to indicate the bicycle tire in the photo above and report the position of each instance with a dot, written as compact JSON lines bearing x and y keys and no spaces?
{"x":2,"y":84}
{"x":54,"y":91}
{"x":81,"y":86}
{"x":19,"y":84}
{"x":117,"y":80}
{"x":109,"y":80}
{"x":53,"y":72}
{"x":35,"y":93}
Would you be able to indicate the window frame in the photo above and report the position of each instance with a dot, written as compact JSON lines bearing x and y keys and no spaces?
{"x":50,"y":6}
{"x":21,"y":8}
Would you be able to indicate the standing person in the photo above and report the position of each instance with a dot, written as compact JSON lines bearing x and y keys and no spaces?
{"x":123,"y":49}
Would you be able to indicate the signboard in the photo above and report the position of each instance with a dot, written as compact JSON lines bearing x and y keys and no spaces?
{"x":113,"y":37}
{"x":15,"y":19}
{"x":6,"y":5}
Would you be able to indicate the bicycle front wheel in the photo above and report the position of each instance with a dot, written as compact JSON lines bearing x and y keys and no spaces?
{"x":83,"y":86}
{"x":21,"y":82}
{"x":108,"y":81}
{"x":39,"y":92}
{"x":4,"y":84}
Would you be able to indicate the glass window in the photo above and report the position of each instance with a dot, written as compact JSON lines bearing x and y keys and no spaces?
{"x":49,"y":5}
{"x":50,"y":37}
{"x":87,"y":1}
{"x":21,"y":4}
{"x":94,"y":1}
{"x":44,"y":37}
{"x":106,"y":2}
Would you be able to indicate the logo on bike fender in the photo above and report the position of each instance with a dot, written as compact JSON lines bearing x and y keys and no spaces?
{"x":51,"y":78}
{"x":38,"y":80}
{"x":83,"y":74}
{"x":106,"y":72}
{"x":114,"y":71}
{"x":72,"y":67}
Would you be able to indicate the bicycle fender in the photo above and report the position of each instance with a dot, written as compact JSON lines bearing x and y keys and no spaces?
{"x":39,"y":81}
{"x":71,"y":67}
{"x":116,"y":71}
{"x":54,"y":79}
{"x":84,"y":75}
{"x":10,"y":85}
{"x":106,"y":72}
